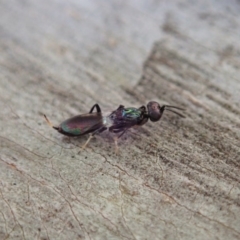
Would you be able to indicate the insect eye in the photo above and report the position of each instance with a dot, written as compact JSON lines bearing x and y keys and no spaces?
{"x":154,"y":111}
{"x":154,"y":116}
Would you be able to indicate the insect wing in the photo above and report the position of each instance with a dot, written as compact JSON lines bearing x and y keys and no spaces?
{"x":82,"y":124}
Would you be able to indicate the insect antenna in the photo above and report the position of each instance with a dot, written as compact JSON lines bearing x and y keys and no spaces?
{"x":169,"y":108}
{"x":179,"y":114}
{"x":49,"y":123}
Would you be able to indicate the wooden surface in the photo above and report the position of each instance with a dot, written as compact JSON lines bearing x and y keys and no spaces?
{"x":175,"y":179}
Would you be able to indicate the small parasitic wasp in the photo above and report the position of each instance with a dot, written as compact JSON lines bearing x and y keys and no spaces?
{"x":119,"y":121}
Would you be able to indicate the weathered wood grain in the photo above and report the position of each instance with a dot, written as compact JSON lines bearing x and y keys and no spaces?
{"x":176,"y":179}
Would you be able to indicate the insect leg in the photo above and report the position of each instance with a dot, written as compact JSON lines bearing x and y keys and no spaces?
{"x":120,"y":107}
{"x":86,"y":143}
{"x":122,"y":133}
{"x":92,"y":135}
{"x":117,"y":129}
{"x":116,"y":144}
{"x":95,"y":106}
{"x":116,"y":140}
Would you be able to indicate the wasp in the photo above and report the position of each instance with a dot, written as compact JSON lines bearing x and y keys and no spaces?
{"x":118,"y":121}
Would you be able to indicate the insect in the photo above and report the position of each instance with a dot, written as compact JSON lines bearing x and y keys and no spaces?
{"x":119,"y":121}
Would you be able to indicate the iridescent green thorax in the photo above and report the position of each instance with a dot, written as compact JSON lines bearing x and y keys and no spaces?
{"x":132,"y":113}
